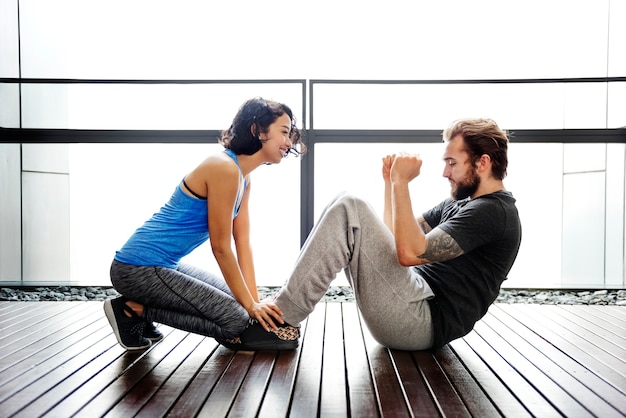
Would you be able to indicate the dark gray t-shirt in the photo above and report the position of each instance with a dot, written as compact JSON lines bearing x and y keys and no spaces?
{"x":488,"y":230}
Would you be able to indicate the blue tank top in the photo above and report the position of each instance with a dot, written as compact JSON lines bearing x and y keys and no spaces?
{"x":178,"y":228}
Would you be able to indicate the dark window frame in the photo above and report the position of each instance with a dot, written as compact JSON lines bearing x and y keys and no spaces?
{"x":313,"y":136}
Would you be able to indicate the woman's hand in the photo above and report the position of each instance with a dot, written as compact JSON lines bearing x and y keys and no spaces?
{"x":267,"y":313}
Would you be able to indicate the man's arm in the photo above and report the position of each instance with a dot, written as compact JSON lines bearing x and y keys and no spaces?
{"x":440,"y":247}
{"x":387,"y":215}
{"x":409,"y":236}
{"x":416,"y":242}
{"x":423,"y":224}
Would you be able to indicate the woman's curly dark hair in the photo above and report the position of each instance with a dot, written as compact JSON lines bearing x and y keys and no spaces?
{"x":253,"y":118}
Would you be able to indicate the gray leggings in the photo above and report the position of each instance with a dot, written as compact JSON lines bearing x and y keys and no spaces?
{"x":187,"y":298}
{"x":392,"y":299}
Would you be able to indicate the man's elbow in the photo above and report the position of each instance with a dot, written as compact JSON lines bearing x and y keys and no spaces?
{"x":408,"y":258}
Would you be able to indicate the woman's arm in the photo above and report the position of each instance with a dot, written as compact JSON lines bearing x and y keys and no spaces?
{"x":241,"y":235}
{"x":238,"y":272}
{"x":222,"y":180}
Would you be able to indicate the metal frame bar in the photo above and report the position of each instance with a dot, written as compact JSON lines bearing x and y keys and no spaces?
{"x":312,"y":135}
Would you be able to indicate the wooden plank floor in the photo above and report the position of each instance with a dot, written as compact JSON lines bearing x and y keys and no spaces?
{"x":60,"y":359}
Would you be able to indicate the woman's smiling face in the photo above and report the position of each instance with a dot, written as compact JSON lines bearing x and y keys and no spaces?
{"x":277,"y":141}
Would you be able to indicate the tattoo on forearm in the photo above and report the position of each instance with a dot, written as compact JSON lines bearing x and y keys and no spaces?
{"x":425,"y":227}
{"x":441,"y":247}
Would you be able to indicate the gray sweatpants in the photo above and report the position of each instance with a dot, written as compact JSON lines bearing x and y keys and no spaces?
{"x":392,"y":299}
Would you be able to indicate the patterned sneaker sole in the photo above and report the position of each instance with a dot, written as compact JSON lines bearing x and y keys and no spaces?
{"x":260,"y":345}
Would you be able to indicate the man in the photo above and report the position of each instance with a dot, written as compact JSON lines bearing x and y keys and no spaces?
{"x":418,"y":282}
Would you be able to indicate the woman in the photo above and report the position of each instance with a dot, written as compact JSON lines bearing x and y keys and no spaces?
{"x":211,"y":202}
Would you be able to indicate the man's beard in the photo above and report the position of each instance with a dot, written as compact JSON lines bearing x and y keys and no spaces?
{"x":466,"y":187}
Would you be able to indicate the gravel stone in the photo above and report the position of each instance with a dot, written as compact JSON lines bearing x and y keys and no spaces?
{"x":563,"y":297}
{"x":334,"y":294}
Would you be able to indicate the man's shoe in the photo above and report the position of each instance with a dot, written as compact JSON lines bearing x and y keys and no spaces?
{"x":152,"y":333}
{"x":254,"y":337}
{"x":127,"y":329}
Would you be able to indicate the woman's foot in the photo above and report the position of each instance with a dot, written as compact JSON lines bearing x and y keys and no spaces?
{"x":152,"y":333}
{"x":128,"y":327}
{"x":254,"y":337}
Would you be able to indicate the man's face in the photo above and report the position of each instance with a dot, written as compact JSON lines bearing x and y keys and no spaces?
{"x":459,"y":170}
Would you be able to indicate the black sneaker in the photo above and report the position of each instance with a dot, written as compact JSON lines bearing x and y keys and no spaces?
{"x":152,"y":333}
{"x":254,"y":337}
{"x":127,"y":330}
